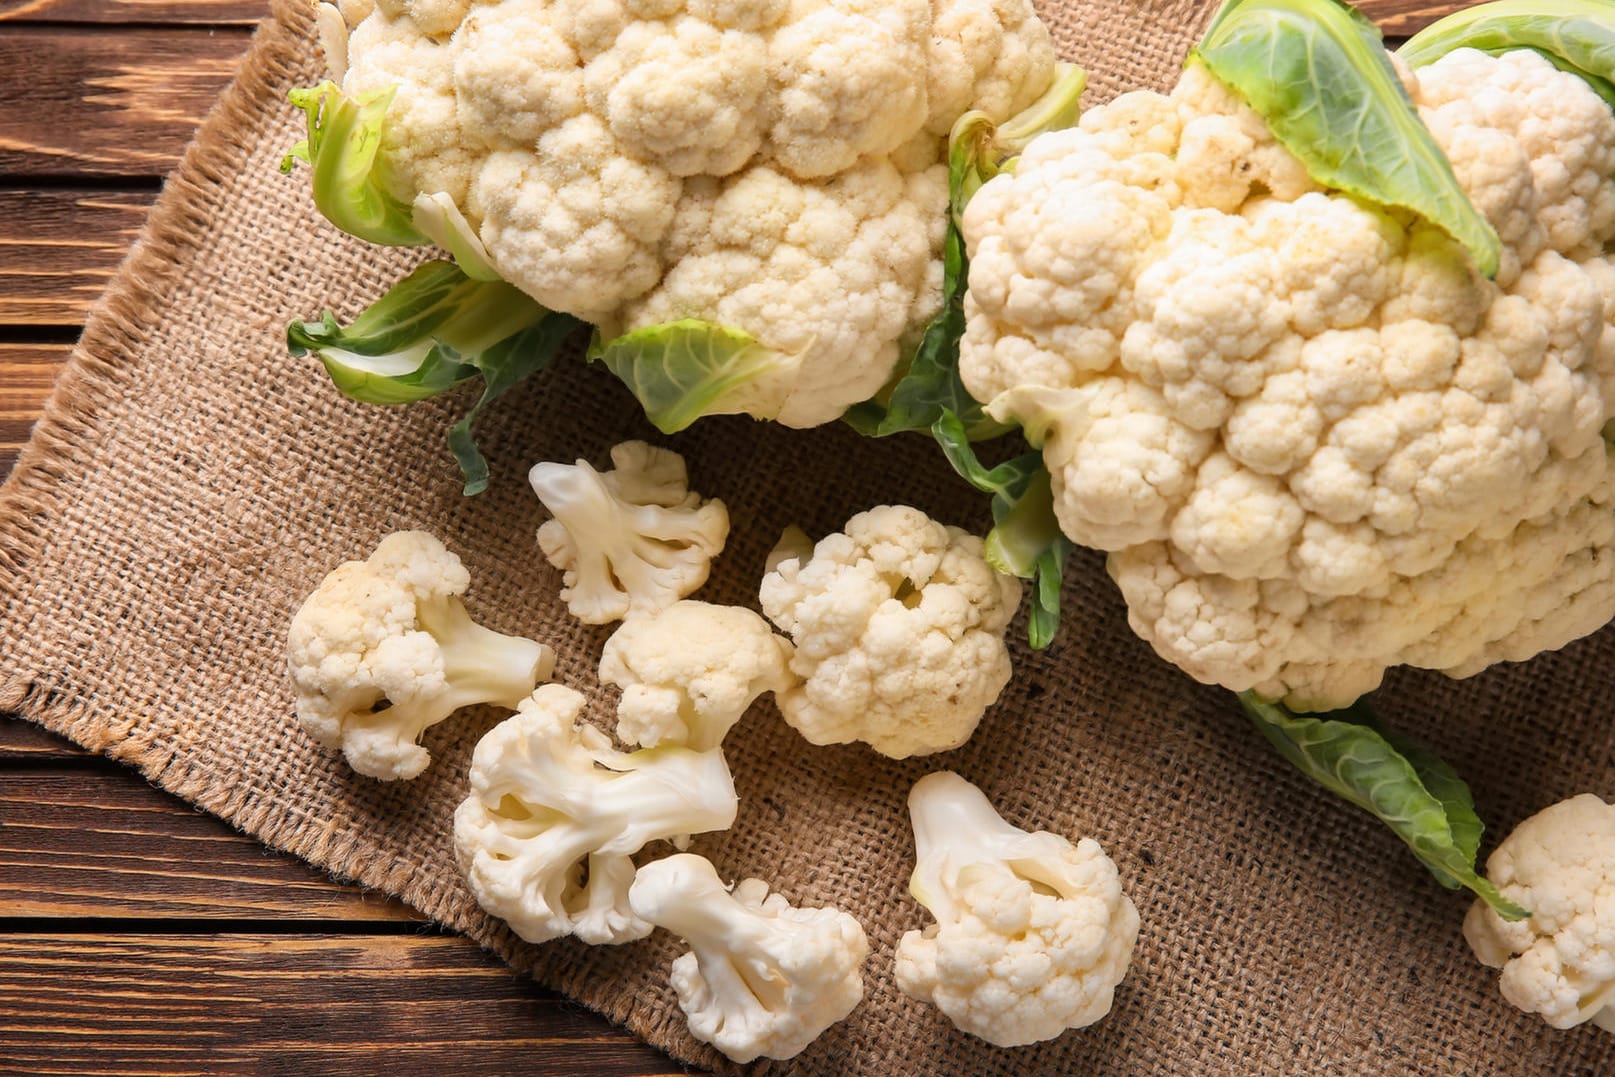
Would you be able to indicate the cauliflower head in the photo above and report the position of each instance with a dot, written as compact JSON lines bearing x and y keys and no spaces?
{"x":635,"y":539}
{"x":899,"y":628}
{"x":1560,"y":961}
{"x":689,"y":673}
{"x":767,"y":166}
{"x":762,"y":977}
{"x":1315,"y":442}
{"x":384,"y":649}
{"x":1032,"y":933}
{"x":554,"y":815}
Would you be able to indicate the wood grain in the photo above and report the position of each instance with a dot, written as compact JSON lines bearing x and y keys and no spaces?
{"x":290,"y":1005}
{"x":27,"y":372}
{"x":58,"y":249}
{"x":79,"y":842}
{"x":22,"y":741}
{"x":120,"y":102}
{"x":1402,"y":18}
{"x":161,"y":12}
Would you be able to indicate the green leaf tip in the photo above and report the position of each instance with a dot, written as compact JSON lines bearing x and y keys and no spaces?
{"x":1407,"y":787}
{"x":352,"y":183}
{"x":434,"y":330}
{"x":681,"y":371}
{"x":1317,"y":73}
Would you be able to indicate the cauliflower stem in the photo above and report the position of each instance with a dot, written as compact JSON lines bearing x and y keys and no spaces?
{"x":351,"y":184}
{"x":762,"y":976}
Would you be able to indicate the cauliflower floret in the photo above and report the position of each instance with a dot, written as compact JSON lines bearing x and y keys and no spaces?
{"x":632,"y":540}
{"x":688,"y":673}
{"x":1560,"y":961}
{"x":384,"y":649}
{"x":899,"y":629}
{"x":578,"y":227}
{"x":1032,"y":933}
{"x":762,"y":977}
{"x":1314,"y":440}
{"x":588,"y":147}
{"x":545,"y":837}
{"x":823,"y":270}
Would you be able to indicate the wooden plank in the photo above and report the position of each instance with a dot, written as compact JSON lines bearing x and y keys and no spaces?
{"x":165,"y":12}
{"x":100,"y":842}
{"x":1401,"y":18}
{"x":120,"y":102}
{"x":292,"y":1004}
{"x":27,"y":372}
{"x":25,"y":741}
{"x":1405,"y":15}
{"x":58,"y":249}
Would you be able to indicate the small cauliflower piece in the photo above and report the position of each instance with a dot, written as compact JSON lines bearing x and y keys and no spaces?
{"x":555,"y":813}
{"x":688,"y":673}
{"x":384,"y":649}
{"x":762,"y":977}
{"x":632,"y":540}
{"x":1033,"y":933}
{"x":899,"y":629}
{"x":1560,"y":961}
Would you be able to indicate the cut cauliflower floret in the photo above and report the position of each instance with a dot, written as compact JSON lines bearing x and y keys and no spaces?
{"x":588,"y":145}
{"x":384,"y":649}
{"x":632,"y":540}
{"x":762,"y":977}
{"x":1032,"y":933}
{"x":688,"y":673}
{"x":554,"y":814}
{"x":1560,"y":961}
{"x":1314,"y":440}
{"x":899,"y":628}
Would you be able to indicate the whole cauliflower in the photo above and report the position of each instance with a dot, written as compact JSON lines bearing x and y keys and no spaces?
{"x":1314,"y":440}
{"x":899,"y":629}
{"x":384,"y":649}
{"x":546,"y":835}
{"x":1559,"y":962}
{"x":635,"y":539}
{"x":688,"y":673}
{"x":1032,"y":933}
{"x":762,"y":977}
{"x":768,"y":166}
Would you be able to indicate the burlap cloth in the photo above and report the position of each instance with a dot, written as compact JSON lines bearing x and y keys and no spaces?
{"x":190,"y":483}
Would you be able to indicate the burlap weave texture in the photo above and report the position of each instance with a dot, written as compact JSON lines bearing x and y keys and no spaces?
{"x":191,"y":483}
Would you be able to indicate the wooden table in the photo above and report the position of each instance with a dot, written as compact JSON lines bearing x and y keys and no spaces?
{"x":137,"y":935}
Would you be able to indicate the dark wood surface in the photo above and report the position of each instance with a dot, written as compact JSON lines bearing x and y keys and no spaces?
{"x":136,"y":934}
